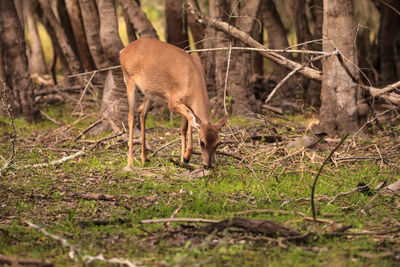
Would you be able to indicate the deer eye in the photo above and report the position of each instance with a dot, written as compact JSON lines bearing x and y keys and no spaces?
{"x":202,"y":144}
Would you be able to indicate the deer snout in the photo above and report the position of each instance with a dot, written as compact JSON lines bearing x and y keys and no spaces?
{"x":208,"y":159}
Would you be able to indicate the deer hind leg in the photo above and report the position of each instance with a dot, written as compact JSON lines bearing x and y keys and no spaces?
{"x":142,"y":110}
{"x":184,"y":128}
{"x":182,"y":109}
{"x":131,"y":90}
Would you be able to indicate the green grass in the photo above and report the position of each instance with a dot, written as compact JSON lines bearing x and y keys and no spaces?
{"x":54,"y":197}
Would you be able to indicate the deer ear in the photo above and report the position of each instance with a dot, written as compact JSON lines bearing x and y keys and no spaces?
{"x":221,"y":123}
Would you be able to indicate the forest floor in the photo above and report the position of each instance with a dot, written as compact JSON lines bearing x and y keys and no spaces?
{"x":88,"y":206}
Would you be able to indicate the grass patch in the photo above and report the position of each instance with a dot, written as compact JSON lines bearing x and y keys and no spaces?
{"x":60,"y":198}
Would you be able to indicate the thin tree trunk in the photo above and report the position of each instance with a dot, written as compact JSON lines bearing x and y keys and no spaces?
{"x":130,"y":30}
{"x":65,"y":45}
{"x":239,"y":88}
{"x":338,"y":113}
{"x":75,"y":17}
{"x":277,"y":40}
{"x":389,"y":25}
{"x":176,"y":30}
{"x":16,"y":73}
{"x":138,"y":18}
{"x":91,"y":22}
{"x":114,"y":104}
{"x":36,"y":61}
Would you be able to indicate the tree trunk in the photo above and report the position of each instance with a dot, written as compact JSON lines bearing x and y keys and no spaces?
{"x":239,"y":88}
{"x":65,"y":45}
{"x":91,"y":22}
{"x":138,"y":18}
{"x":176,"y":30}
{"x":130,"y":30}
{"x":338,"y":113}
{"x":277,"y":40}
{"x":17,"y":76}
{"x":389,"y":25}
{"x":312,"y":89}
{"x":218,"y":11}
{"x":36,"y":61}
{"x":75,"y":17}
{"x":114,"y":104}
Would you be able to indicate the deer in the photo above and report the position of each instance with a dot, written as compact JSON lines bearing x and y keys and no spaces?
{"x":164,"y":72}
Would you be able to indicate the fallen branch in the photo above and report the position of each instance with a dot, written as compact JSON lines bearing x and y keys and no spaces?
{"x":76,"y":254}
{"x":182,"y":164}
{"x":6,"y":260}
{"x":248,"y":40}
{"x":166,"y":220}
{"x":55,"y":162}
{"x":266,"y":227}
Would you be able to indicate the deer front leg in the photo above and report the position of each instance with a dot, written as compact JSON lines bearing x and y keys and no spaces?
{"x":184,"y":128}
{"x":182,"y":109}
{"x":131,"y":90}
{"x":142,"y":110}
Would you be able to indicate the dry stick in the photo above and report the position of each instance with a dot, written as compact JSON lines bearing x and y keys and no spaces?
{"x":282,"y":82}
{"x":49,"y":118}
{"x":76,"y":254}
{"x":55,"y":162}
{"x":8,"y":109}
{"x":261,"y":49}
{"x":293,"y":72}
{"x":11,"y":261}
{"x":88,"y":128}
{"x":94,"y":71}
{"x":164,"y":146}
{"x":351,"y":191}
{"x":163,"y":220}
{"x":319,"y":172}
{"x":226,"y":75}
{"x":84,"y":91}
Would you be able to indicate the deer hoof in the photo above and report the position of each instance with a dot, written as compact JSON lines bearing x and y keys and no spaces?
{"x":129,"y":168}
{"x":186,"y":160}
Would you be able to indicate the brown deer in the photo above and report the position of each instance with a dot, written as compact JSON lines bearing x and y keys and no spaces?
{"x":163,"y":71}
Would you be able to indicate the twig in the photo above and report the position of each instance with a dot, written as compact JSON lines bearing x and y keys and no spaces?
{"x":105,"y":138}
{"x":11,"y":261}
{"x":164,"y":146}
{"x":163,"y":220}
{"x":282,"y":82}
{"x":226,"y":75}
{"x":76,"y":254}
{"x":94,"y":71}
{"x":88,"y":128}
{"x":84,"y":91}
{"x":298,"y":51}
{"x":49,"y":118}
{"x":55,"y":162}
{"x":260,"y":211}
{"x":174,"y":213}
{"x":13,"y":136}
{"x":319,"y":172}
{"x":350,"y":192}
{"x":182,"y":164}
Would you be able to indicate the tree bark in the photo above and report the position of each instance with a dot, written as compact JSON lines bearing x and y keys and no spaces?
{"x":114,"y":105}
{"x":240,"y":89}
{"x":338,"y":114}
{"x":130,"y":30}
{"x":277,"y":40}
{"x":91,"y":22}
{"x":16,"y":73}
{"x":37,"y":63}
{"x":76,"y":21}
{"x":65,"y":45}
{"x":176,"y":30}
{"x":138,"y":18}
{"x":219,"y":8}
{"x":389,"y":25}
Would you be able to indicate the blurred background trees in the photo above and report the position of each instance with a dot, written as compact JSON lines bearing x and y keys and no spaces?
{"x":44,"y":41}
